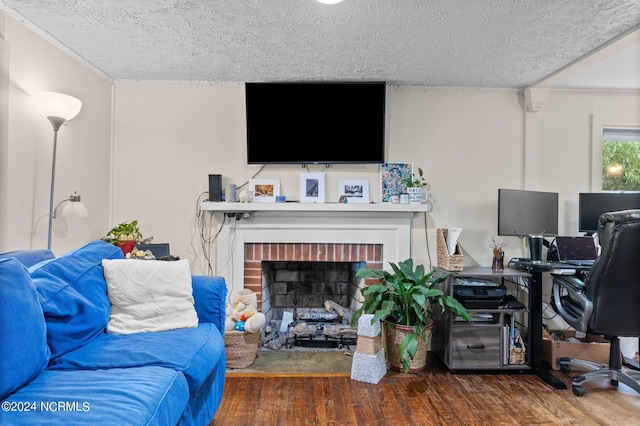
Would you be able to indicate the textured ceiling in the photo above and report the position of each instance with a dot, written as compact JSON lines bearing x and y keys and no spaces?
{"x":444,"y":43}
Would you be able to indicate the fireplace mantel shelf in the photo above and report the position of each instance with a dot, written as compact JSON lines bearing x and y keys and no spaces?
{"x":224,"y":207}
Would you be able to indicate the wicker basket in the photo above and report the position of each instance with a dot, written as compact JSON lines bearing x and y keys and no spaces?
{"x":447,"y":261}
{"x":392,"y":335}
{"x":241,"y":348}
{"x":516,"y":355}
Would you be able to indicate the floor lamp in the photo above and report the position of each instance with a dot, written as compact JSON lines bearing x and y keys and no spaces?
{"x":58,"y":108}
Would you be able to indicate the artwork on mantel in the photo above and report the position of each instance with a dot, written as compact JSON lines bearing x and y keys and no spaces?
{"x":264,"y":190}
{"x":391,"y":177}
{"x":312,"y":187}
{"x":353,"y":190}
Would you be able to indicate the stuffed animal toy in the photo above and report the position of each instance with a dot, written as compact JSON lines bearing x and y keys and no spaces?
{"x":242,"y":313}
{"x":246,"y":196}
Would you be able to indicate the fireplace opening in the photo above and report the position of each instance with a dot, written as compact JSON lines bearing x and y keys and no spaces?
{"x":311,"y":303}
{"x":311,"y":286}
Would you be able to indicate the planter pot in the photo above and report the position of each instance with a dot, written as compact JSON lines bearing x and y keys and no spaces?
{"x":392,"y":335}
{"x":415,"y":195}
{"x":126,"y":246}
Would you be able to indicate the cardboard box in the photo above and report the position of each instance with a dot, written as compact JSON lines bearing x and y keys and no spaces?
{"x":593,"y":348}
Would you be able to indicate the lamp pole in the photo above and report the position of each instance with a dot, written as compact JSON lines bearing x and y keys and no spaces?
{"x":56,"y":122}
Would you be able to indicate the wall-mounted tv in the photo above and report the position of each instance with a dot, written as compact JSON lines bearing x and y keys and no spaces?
{"x":522,"y":213}
{"x":592,"y":204}
{"x":315,"y":122}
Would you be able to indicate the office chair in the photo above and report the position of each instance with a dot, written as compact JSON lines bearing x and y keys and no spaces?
{"x":607,"y":302}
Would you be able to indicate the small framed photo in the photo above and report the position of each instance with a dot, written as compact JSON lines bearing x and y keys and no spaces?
{"x":312,"y":187}
{"x":353,"y":190}
{"x":264,"y":190}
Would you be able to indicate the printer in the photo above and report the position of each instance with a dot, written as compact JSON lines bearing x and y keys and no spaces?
{"x":479,"y":293}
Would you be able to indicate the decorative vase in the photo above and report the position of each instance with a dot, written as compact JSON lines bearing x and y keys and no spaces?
{"x":415,"y":195}
{"x":392,"y":336}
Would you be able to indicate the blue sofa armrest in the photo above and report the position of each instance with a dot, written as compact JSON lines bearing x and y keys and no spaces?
{"x":210,"y":295}
{"x":29,"y":257}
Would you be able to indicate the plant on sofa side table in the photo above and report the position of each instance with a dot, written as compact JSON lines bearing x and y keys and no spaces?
{"x":406,"y":299}
{"x":124,"y":235}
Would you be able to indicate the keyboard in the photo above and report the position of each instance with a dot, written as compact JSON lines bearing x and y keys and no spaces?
{"x":580,"y":262}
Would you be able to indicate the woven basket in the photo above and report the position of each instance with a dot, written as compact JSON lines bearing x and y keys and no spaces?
{"x":516,"y":355}
{"x":392,"y":335}
{"x":241,"y":348}
{"x":447,"y":261}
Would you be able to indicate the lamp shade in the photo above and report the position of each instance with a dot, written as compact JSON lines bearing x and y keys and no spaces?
{"x":75,"y":209}
{"x":52,"y":104}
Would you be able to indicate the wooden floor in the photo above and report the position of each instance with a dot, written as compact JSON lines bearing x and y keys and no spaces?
{"x":435,"y":397}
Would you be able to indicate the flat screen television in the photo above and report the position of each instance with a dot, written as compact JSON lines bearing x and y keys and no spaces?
{"x":592,"y":204}
{"x":522,"y":213}
{"x":315,"y":122}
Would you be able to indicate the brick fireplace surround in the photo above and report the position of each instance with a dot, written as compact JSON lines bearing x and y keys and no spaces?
{"x":256,"y":253}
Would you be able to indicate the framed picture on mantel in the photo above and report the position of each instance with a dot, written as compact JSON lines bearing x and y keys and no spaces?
{"x":312,"y":187}
{"x":264,"y":190}
{"x":353,"y":190}
{"x":391,"y":177}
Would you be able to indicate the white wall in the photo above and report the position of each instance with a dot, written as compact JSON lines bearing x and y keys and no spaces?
{"x":27,"y":143}
{"x":168,"y":138}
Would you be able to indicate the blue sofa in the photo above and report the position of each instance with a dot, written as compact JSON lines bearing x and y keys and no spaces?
{"x":58,"y":365}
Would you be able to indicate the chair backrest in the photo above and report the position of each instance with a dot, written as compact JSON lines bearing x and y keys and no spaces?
{"x":613,"y":283}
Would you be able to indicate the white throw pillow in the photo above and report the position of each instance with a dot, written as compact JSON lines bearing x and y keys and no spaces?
{"x":149,"y":295}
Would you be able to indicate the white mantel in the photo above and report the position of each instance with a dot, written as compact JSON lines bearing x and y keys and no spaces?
{"x":386,"y":224}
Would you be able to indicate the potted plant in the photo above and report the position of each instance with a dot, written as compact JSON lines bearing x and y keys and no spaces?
{"x":415,"y":187}
{"x":124,"y":235}
{"x":405,"y":301}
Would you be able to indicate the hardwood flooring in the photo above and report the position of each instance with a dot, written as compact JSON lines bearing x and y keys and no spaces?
{"x":435,"y":397}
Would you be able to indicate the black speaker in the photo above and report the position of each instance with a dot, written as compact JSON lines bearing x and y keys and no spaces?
{"x":215,"y":187}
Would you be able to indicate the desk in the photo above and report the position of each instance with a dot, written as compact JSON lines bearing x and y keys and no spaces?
{"x":535,"y":312}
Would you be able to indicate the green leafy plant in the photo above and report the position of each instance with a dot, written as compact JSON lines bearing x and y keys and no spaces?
{"x":625,"y":155}
{"x":406,"y":297}
{"x":415,"y":182}
{"x":126,"y":231}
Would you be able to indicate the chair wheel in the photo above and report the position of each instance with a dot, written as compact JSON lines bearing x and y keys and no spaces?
{"x":614,"y":383}
{"x":566,"y":369}
{"x":578,"y":390}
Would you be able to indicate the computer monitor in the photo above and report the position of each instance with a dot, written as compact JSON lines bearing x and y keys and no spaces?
{"x":522,"y":213}
{"x":592,"y":204}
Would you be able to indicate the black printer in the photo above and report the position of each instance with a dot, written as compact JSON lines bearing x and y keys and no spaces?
{"x":479,"y":294}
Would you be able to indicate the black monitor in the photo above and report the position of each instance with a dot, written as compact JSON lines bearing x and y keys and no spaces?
{"x":522,"y":213}
{"x":592,"y":204}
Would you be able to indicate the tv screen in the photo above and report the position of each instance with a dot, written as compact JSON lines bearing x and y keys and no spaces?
{"x":522,"y":213}
{"x":592,"y":204}
{"x":315,"y":123}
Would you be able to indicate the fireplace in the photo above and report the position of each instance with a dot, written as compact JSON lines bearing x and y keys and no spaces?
{"x":364,"y":235}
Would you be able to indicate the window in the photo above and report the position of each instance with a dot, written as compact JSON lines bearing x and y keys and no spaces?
{"x":621,"y":159}
{"x":610,"y":127}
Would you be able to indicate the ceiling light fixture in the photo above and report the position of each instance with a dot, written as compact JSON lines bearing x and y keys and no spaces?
{"x":329,"y":1}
